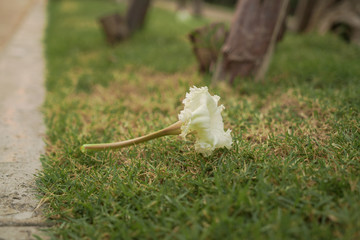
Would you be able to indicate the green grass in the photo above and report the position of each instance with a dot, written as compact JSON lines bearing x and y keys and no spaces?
{"x":293,"y":171}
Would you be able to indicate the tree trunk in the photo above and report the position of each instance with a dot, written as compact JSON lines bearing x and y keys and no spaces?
{"x":329,"y":15}
{"x":319,"y":8}
{"x":206,"y":43}
{"x":115,"y":28}
{"x":198,"y":7}
{"x":180,"y":5}
{"x":136,"y":14}
{"x":342,"y":18}
{"x":303,"y":14}
{"x":253,"y":34}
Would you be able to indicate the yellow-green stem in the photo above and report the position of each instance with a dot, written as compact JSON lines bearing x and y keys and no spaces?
{"x":174,"y":129}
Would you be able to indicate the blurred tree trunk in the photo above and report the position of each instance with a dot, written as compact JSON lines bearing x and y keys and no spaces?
{"x":115,"y":28}
{"x":198,"y":8}
{"x":181,"y":4}
{"x":136,"y":14}
{"x":340,"y":16}
{"x":303,"y":14}
{"x":254,"y":31}
{"x":118,"y":28}
{"x":206,"y":42}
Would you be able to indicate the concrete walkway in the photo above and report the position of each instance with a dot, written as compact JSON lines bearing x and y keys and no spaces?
{"x":21,"y":123}
{"x":12,"y":14}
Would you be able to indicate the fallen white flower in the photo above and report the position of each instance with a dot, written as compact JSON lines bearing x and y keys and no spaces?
{"x":201,"y":116}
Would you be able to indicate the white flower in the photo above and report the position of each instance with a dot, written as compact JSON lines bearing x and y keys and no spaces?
{"x":202,"y":116}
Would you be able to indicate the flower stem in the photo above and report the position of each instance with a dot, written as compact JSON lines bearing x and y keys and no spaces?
{"x":174,"y":129}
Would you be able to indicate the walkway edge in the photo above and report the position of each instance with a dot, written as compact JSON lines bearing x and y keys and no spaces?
{"x":22,"y":94}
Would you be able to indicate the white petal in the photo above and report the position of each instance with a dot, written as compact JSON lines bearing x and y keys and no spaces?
{"x":202,"y":115}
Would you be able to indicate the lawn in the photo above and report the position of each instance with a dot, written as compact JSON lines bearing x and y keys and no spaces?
{"x":293,"y":171}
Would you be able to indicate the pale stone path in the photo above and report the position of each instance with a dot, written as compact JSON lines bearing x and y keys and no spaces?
{"x":12,"y":14}
{"x":21,"y":123}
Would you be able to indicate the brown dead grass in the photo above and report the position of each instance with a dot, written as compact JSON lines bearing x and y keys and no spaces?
{"x":69,"y":6}
{"x":137,"y":101}
{"x":145,"y":90}
{"x":291,"y":114}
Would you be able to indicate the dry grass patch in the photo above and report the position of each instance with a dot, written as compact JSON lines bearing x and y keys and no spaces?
{"x":130,"y":105}
{"x":69,"y":6}
{"x":290,"y":116}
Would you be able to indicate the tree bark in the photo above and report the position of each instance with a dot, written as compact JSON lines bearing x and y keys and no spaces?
{"x":319,"y":8}
{"x":136,"y":14}
{"x":206,"y":42}
{"x":344,"y":14}
{"x":197,"y":7}
{"x":118,"y":28}
{"x":180,"y":5}
{"x":115,"y":28}
{"x":303,"y":14}
{"x":253,"y":34}
{"x":325,"y":15}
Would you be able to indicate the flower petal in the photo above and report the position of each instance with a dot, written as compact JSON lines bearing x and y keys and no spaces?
{"x":202,"y":115}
